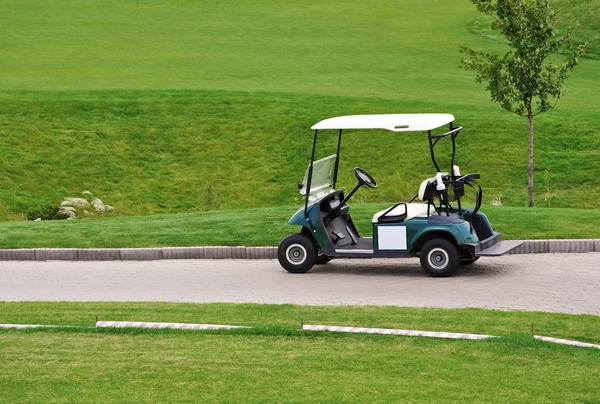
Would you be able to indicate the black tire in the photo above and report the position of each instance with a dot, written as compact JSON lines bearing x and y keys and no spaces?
{"x":322,"y":259}
{"x":468,"y":261}
{"x":297,"y":253}
{"x":439,"y":258}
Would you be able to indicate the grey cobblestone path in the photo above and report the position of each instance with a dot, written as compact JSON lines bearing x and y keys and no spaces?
{"x":568,"y":283}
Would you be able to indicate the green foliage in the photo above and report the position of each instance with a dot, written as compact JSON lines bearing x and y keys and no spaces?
{"x":524,"y":74}
{"x":45,"y":212}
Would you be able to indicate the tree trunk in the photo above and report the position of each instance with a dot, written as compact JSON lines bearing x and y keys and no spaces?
{"x":530,"y":171}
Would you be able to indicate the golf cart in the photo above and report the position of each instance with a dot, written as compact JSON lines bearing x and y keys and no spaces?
{"x":438,"y":229}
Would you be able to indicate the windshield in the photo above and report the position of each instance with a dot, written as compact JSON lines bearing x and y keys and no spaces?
{"x":322,"y":177}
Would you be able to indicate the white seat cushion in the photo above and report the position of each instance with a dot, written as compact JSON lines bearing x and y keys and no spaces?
{"x":412,"y":210}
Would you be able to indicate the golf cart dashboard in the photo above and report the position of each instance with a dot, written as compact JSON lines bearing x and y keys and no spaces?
{"x":333,"y":202}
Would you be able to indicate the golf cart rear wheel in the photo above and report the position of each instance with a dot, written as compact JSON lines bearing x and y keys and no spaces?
{"x":439,"y":257}
{"x":297,"y":253}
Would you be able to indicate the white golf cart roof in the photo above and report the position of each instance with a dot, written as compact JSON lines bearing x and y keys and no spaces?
{"x":392,"y":122}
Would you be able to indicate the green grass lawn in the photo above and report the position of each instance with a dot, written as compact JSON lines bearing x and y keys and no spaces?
{"x":264,"y":227}
{"x":278,"y":363}
{"x":158,"y":107}
{"x":197,"y":114}
{"x":396,"y":49}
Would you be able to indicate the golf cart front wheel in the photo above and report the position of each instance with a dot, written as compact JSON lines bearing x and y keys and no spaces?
{"x":297,"y":253}
{"x":439,"y":257}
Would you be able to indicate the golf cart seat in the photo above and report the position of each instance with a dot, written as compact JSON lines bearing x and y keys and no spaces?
{"x":406,"y":211}
{"x":402,"y":212}
{"x":431,"y":187}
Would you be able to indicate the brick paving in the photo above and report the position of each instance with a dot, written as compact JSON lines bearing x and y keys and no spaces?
{"x":568,"y":283}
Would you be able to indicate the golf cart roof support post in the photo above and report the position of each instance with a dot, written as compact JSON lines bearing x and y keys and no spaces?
{"x":310,"y":172}
{"x":433,"y":139}
{"x":337,"y":160}
{"x":453,"y":153}
{"x":431,"y":146}
{"x":452,"y":168}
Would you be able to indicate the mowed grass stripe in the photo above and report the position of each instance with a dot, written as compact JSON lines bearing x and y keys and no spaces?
{"x":582,"y":327}
{"x":279,"y":364}
{"x":391,"y":49}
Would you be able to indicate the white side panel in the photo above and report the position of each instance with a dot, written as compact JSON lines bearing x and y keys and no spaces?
{"x":391,"y":237}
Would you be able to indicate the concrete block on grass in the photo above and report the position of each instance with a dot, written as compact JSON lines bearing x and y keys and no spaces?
{"x":535,"y":246}
{"x":20,"y":254}
{"x":570,"y":246}
{"x":211,"y":252}
{"x":224,"y":253}
{"x":141,"y":254}
{"x":271,"y":252}
{"x":99,"y":254}
{"x":56,"y":254}
{"x":186,"y":253}
{"x":252,"y":253}
{"x":217,"y":252}
{"x":238,"y":252}
{"x":556,"y":246}
{"x":522,"y":249}
{"x":261,"y":252}
{"x":586,"y":245}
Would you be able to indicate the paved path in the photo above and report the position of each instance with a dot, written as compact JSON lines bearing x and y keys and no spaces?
{"x":567,"y":283}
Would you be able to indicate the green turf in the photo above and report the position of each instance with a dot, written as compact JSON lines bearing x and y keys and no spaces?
{"x":277,"y":363}
{"x":396,"y":49}
{"x":168,"y":152}
{"x":264,"y":227}
{"x":88,"y":102}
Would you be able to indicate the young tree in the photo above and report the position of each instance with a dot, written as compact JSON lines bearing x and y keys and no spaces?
{"x":527,"y":80}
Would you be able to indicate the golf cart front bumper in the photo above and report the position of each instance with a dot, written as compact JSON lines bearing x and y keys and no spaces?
{"x":492,"y":246}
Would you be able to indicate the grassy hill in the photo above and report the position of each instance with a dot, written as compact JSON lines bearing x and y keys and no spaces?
{"x":165,"y":108}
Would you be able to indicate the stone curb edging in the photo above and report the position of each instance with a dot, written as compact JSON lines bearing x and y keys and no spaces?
{"x":222,"y":252}
{"x":137,"y":254}
{"x":558,"y":246}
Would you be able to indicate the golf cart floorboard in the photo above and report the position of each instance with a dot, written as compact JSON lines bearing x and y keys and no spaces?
{"x":500,"y":248}
{"x":363,"y":244}
{"x":364,"y":249}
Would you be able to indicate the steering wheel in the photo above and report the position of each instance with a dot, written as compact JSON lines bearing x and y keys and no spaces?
{"x":364,"y":178}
